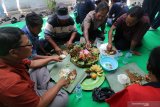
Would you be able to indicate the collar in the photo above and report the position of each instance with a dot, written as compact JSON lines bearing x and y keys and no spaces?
{"x":153,"y":84}
{"x":30,"y":34}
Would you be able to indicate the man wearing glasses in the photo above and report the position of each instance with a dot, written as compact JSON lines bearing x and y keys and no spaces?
{"x":16,"y":86}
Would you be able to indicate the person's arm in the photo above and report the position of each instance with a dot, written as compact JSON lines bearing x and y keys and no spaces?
{"x":53,"y":44}
{"x":73,"y":31}
{"x":39,"y":57}
{"x":86,"y":36}
{"x":132,"y":48}
{"x":73,"y":35}
{"x":86,"y":25}
{"x":41,"y":62}
{"x":86,"y":33}
{"x":44,"y":57}
{"x":133,"y":45}
{"x":109,"y":46}
{"x":49,"y":32}
{"x":138,"y":35}
{"x":48,"y":96}
{"x":43,"y":50}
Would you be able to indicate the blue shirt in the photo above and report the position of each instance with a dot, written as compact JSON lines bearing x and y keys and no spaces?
{"x":83,"y":8}
{"x":118,"y":9}
{"x":34,"y":40}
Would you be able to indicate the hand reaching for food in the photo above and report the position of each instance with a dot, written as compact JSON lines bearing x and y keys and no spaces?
{"x":88,"y":45}
{"x":56,"y":58}
{"x":109,"y":47}
{"x":63,"y":82}
{"x":136,"y":53}
{"x":58,"y":51}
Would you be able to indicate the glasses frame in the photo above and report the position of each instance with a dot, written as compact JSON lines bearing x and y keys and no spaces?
{"x":25,"y":45}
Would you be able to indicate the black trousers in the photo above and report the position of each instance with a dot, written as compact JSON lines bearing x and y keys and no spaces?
{"x":93,"y":34}
{"x":151,"y":7}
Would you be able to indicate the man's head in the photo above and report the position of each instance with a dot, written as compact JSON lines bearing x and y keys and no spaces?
{"x":62,"y":13}
{"x":34,"y":22}
{"x":101,"y":11}
{"x":153,"y":63}
{"x":98,"y":1}
{"x":134,"y":15}
{"x":14,"y":43}
{"x":114,"y":1}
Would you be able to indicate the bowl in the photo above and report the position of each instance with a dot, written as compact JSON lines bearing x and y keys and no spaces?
{"x":108,"y":63}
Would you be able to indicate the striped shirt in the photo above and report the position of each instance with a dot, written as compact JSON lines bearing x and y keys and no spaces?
{"x":55,"y":29}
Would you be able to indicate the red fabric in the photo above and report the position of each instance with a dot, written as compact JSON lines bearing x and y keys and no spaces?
{"x":134,"y":93}
{"x":16,"y":87}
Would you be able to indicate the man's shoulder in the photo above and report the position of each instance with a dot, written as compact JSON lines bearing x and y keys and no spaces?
{"x":92,"y":12}
{"x":120,"y":20}
{"x":145,"y":19}
{"x":90,"y":15}
{"x":52,"y":20}
{"x":24,"y":29}
{"x":8,"y":78}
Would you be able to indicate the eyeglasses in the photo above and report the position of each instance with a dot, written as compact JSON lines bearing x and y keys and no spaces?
{"x":29,"y":44}
{"x":26,"y":45}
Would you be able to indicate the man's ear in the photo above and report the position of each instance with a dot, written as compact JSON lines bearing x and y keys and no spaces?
{"x":13,"y":52}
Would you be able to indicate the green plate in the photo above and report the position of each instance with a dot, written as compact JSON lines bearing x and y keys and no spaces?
{"x":90,"y":84}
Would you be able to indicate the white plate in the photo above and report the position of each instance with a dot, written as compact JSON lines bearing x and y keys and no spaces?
{"x":103,"y":48}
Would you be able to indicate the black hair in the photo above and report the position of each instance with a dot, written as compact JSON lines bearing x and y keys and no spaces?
{"x":33,"y":19}
{"x":102,"y":6}
{"x":98,"y":1}
{"x":62,"y":11}
{"x":136,"y":11}
{"x":153,"y":62}
{"x":9,"y":39}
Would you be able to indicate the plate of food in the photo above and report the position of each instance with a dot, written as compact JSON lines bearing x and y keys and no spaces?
{"x":94,"y":78}
{"x":90,"y":84}
{"x":103,"y":50}
{"x":135,"y":78}
{"x":68,"y":74}
{"x":125,"y":76}
{"x":82,"y":57}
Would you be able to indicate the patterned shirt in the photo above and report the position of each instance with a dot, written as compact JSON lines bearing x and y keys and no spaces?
{"x":92,"y":22}
{"x":55,"y":29}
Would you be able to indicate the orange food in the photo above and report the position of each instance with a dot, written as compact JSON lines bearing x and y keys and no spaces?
{"x":93,"y":75}
{"x":112,"y":52}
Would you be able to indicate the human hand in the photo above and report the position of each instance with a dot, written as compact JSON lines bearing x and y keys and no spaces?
{"x":136,"y":53}
{"x":58,"y":51}
{"x":56,"y":58}
{"x":63,"y":82}
{"x":68,"y":44}
{"x":109,"y":47}
{"x":88,"y":45}
{"x":47,"y":54}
